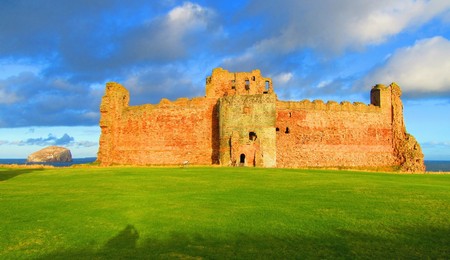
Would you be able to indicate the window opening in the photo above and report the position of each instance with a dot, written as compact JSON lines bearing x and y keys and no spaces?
{"x":266,"y":90}
{"x":253,"y":78}
{"x":287,"y":130}
{"x":277,"y":129}
{"x":290,"y":114}
{"x":247,"y":84}
{"x":252,"y":136}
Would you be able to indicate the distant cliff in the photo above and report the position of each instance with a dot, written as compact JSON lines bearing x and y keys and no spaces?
{"x":51,"y":154}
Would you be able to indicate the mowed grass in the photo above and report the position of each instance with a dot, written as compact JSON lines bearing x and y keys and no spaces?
{"x":221,"y":213}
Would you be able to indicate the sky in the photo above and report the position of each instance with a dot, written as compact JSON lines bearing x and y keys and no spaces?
{"x":56,"y":57}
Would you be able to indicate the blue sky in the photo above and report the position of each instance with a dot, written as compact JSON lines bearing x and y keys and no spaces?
{"x":56,"y":56}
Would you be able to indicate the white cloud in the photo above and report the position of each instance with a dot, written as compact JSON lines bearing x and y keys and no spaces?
{"x":151,"y":84}
{"x":10,"y":69}
{"x":334,"y":26}
{"x":324,"y":83}
{"x":85,"y":144}
{"x":183,"y":20}
{"x":170,"y":36}
{"x":420,"y":69}
{"x":343,"y":24}
{"x":328,"y":28}
{"x":188,"y":16}
{"x":438,"y":143}
{"x":8,"y":98}
{"x":282,"y":78}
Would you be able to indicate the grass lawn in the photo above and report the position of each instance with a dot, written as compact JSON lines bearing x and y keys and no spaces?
{"x":244,"y":213}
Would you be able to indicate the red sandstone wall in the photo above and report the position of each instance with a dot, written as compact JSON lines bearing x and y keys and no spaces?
{"x":326,"y":135}
{"x":310,"y":134}
{"x":168,"y":134}
{"x":165,"y":134}
{"x":224,"y":83}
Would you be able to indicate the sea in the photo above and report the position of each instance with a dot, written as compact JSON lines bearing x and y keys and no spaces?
{"x":432,"y":166}
{"x":437,"y":166}
{"x":55,"y":164}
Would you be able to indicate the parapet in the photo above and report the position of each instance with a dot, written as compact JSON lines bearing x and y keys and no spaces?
{"x":329,"y":106}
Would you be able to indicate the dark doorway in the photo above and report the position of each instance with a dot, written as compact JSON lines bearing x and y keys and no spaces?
{"x":242,"y":160}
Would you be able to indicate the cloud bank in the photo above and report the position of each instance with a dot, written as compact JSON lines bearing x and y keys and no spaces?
{"x":421,"y":70}
{"x":57,"y":56}
{"x":64,"y":140}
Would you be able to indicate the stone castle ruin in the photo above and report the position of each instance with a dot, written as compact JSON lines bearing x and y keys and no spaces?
{"x":241,"y":122}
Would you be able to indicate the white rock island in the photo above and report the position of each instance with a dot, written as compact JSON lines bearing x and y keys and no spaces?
{"x":51,"y":154}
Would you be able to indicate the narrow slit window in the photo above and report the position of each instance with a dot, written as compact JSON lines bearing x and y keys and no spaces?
{"x":287,"y":130}
{"x":266,"y":87}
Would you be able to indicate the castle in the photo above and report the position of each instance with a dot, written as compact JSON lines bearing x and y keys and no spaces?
{"x":241,"y":122}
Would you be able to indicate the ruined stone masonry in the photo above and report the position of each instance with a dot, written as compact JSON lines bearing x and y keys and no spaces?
{"x":241,"y":122}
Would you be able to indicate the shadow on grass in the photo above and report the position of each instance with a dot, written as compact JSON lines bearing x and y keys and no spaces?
{"x":126,"y":239}
{"x":408,"y":243}
{"x":11,"y":173}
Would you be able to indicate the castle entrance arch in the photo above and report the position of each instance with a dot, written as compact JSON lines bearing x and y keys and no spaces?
{"x":242,"y":160}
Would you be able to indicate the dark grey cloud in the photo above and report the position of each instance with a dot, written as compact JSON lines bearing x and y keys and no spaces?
{"x":81,"y":44}
{"x":35,"y":28}
{"x":149,"y":86}
{"x":165,"y":48}
{"x":335,"y":26}
{"x":38,"y":101}
{"x":306,"y":38}
{"x":50,"y":140}
{"x":182,"y":32}
{"x":98,"y":40}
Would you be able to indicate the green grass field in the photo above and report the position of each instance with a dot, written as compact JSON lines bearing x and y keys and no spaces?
{"x":215,"y":213}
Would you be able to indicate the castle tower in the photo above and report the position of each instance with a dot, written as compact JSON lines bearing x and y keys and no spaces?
{"x":406,"y":150}
{"x":114,"y":101}
{"x":247,"y":115}
{"x":223,"y":83}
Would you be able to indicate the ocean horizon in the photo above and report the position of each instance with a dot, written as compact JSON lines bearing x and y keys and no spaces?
{"x":432,"y":165}
{"x":56,"y":164}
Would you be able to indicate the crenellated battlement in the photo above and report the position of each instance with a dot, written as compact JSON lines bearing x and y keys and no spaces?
{"x":306,"y":104}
